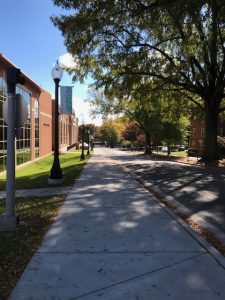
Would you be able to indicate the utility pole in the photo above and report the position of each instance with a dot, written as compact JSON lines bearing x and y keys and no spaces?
{"x":9,"y":219}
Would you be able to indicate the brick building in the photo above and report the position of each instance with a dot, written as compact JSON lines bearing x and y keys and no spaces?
{"x":197,"y":133}
{"x":68,"y":129}
{"x":35,"y":139}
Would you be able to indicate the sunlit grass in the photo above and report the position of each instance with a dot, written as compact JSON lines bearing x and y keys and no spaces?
{"x":35,"y":175}
{"x":179,"y":153}
{"x":174,"y":153}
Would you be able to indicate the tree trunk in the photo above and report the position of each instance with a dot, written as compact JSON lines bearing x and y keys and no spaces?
{"x":211,"y":126}
{"x":148,"y":143}
{"x":168,"y":150}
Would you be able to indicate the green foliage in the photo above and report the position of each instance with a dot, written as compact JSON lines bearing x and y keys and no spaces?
{"x":109,"y":133}
{"x":127,"y":43}
{"x":91,"y":128}
{"x":179,"y":42}
{"x":171,"y":133}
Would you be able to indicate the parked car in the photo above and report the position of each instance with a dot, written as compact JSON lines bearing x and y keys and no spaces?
{"x":181,"y":148}
{"x":164,"y":149}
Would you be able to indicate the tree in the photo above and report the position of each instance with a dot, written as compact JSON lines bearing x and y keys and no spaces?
{"x":109,"y":133}
{"x":87,"y":127}
{"x":146,"y":104}
{"x":148,"y":120}
{"x":174,"y":132}
{"x":131,"y":132}
{"x":179,"y":42}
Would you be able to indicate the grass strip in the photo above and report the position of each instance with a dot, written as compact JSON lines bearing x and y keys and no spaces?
{"x":17,"y":247}
{"x":35,"y":175}
{"x":173,"y":153}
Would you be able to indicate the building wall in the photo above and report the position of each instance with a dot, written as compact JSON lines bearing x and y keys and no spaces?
{"x":73,"y":130}
{"x":68,"y":129}
{"x":34,"y":137}
{"x":197,"y":133}
{"x":45,"y":123}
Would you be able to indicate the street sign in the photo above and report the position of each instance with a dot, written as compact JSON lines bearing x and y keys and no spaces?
{"x":21,"y":111}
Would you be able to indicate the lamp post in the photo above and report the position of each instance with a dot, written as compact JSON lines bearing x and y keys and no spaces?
{"x":92,"y":142}
{"x":88,"y":136}
{"x":82,"y":147}
{"x":56,"y":175}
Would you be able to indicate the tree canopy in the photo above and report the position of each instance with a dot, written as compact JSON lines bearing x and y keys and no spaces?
{"x":179,"y":43}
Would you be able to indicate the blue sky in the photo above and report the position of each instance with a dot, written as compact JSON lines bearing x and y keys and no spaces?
{"x":33,"y":44}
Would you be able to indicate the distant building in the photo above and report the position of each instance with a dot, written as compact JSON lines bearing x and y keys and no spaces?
{"x":197,"y":133}
{"x":68,"y":130}
{"x":35,"y":139}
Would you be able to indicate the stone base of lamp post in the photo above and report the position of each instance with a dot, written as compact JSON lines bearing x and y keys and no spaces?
{"x":82,"y":157}
{"x":52,"y":181}
{"x":9,"y":222}
{"x":56,"y":175}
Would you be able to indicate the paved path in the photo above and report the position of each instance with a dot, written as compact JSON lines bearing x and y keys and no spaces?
{"x":113,"y":241}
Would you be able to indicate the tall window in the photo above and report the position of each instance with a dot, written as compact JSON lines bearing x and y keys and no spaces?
{"x":3,"y":127}
{"x":36,"y":117}
{"x":194,"y":131}
{"x":61,"y":130}
{"x":202,"y":132}
{"x":23,"y":153}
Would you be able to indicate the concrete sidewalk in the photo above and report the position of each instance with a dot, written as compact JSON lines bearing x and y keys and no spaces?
{"x":112,"y":240}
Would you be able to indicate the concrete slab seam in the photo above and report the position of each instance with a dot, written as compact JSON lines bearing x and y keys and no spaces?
{"x":138,"y":276}
{"x":122,"y":252}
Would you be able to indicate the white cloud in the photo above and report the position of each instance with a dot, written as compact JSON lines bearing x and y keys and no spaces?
{"x":82,"y":110}
{"x":67,"y":60}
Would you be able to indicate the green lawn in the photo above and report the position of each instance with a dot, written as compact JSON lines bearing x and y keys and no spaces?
{"x":174,"y":153}
{"x":179,"y":153}
{"x":35,"y":175}
{"x":17,"y":248}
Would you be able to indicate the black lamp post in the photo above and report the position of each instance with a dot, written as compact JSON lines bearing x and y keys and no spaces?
{"x":56,"y":175}
{"x":82,"y":147}
{"x":88,"y":136}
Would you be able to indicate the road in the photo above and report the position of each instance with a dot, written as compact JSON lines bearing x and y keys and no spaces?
{"x":197,"y":191}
